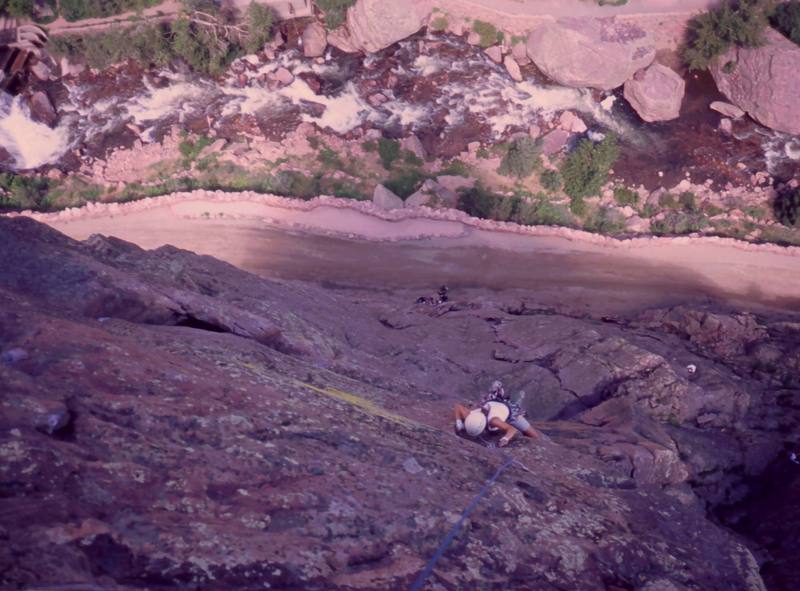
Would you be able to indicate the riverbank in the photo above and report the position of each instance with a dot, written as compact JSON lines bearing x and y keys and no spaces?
{"x":229,"y":226}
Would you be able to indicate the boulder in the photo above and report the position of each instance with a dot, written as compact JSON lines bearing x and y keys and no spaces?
{"x":423,"y":196}
{"x":473,"y":38}
{"x":726,"y":126}
{"x":554,"y":141}
{"x":727,"y":109}
{"x":513,"y":68}
{"x":520,"y":54}
{"x":41,"y":70}
{"x":70,"y":69}
{"x":377,"y":24}
{"x":763,"y":81}
{"x":495,"y":53}
{"x":342,"y":40}
{"x":413,"y":145}
{"x":384,"y":199}
{"x":656,"y":93}
{"x":595,"y":52}
{"x":315,"y":40}
{"x":42,"y":109}
{"x":570,"y":122}
{"x":283,"y":76}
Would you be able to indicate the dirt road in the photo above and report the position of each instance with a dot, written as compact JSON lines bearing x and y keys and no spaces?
{"x":292,"y":244}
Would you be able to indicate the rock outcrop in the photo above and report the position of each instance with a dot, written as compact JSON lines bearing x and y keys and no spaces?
{"x":590,"y":52}
{"x":151,"y":437}
{"x":385,"y":199}
{"x":377,"y":24}
{"x":656,"y":93}
{"x":315,"y":40}
{"x":763,"y":81}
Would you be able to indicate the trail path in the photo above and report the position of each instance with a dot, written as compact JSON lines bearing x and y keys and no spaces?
{"x":571,"y":266}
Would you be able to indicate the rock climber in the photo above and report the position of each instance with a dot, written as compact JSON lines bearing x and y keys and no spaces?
{"x":497,"y":412}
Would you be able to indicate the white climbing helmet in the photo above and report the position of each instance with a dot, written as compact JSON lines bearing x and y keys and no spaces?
{"x":475,"y":423}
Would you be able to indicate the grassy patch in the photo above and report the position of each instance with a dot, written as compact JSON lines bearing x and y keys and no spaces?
{"x":438,"y":24}
{"x":335,"y":11}
{"x":158,"y":45}
{"x":389,"y":151}
{"x":624,"y":196}
{"x":487,"y":32}
{"x":455,"y":167}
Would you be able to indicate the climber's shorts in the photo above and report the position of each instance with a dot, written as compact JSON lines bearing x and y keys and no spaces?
{"x":520,"y":423}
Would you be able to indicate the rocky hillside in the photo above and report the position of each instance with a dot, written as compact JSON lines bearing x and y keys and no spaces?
{"x":170,"y":421}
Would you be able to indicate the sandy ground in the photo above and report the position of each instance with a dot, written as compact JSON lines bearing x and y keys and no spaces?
{"x":347,"y":243}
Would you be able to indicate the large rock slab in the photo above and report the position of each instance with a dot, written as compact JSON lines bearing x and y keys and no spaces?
{"x":763,"y":81}
{"x":315,"y":40}
{"x":377,"y":24}
{"x":656,"y":93}
{"x":385,"y":199}
{"x":595,"y":52}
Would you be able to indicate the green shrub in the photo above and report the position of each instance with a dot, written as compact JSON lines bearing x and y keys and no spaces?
{"x":412,"y":159}
{"x":787,"y":208}
{"x":455,"y":167}
{"x":624,"y":196}
{"x":521,"y":159}
{"x":17,"y":8}
{"x":586,"y":168}
{"x":605,"y":221}
{"x":668,"y":200}
{"x":259,"y":29}
{"x":677,"y":222}
{"x":292,"y":183}
{"x":735,"y":23}
{"x":577,"y":205}
{"x":22,"y":192}
{"x":389,"y":151}
{"x":405,"y":183}
{"x":330,"y":159}
{"x":438,"y":24}
{"x":551,"y":180}
{"x":538,"y":211}
{"x":369,"y":146}
{"x":713,"y":210}
{"x":787,"y":20}
{"x":335,"y":11}
{"x":487,"y":32}
{"x":688,"y":201}
{"x":478,"y":202}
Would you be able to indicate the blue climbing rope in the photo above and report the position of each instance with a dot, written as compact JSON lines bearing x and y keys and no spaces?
{"x":426,"y":572}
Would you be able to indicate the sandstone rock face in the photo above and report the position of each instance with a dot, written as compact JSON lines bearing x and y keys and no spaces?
{"x":495,"y":53}
{"x":656,"y":93}
{"x":377,"y":24}
{"x":590,"y":52}
{"x":763,"y":81}
{"x":315,"y":40}
{"x":385,"y":199}
{"x":150,"y":433}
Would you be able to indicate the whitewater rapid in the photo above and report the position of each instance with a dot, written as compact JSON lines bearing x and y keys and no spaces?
{"x":464,"y":90}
